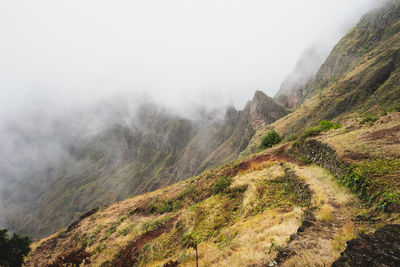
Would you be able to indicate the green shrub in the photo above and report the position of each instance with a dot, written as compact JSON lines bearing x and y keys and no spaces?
{"x":270,"y":139}
{"x":127,"y":229}
{"x":368,"y":119}
{"x":152,"y":225}
{"x":388,"y":199}
{"x":190,"y":192}
{"x":111,"y":229}
{"x":326,"y":125}
{"x":308,"y":132}
{"x":221,"y":185}
{"x":165,"y":206}
{"x":290,"y":138}
{"x":93,"y":235}
{"x":323,"y":126}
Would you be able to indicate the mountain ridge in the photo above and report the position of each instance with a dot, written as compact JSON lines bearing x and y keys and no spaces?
{"x":153,"y":150}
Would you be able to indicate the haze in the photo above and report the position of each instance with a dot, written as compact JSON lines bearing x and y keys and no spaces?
{"x":60,"y":53}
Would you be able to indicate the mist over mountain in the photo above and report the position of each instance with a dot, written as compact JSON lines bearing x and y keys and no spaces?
{"x":179,"y":133}
{"x":125,"y":97}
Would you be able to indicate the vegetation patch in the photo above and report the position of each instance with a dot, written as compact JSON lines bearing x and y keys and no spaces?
{"x":221,"y":185}
{"x":290,"y":138}
{"x":323,"y":126}
{"x":286,"y":191}
{"x":93,"y":235}
{"x":270,"y":139}
{"x":126,"y":230}
{"x":210,"y":217}
{"x":363,"y":180}
{"x":368,"y":119}
{"x":152,"y":225}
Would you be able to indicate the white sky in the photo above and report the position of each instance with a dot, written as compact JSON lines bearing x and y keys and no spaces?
{"x":205,"y":51}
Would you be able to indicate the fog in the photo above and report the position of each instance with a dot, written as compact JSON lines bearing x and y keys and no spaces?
{"x":68,"y":68}
{"x":179,"y":52}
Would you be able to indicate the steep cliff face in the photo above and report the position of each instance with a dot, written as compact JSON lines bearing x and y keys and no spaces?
{"x":365,"y":59}
{"x":291,"y":90}
{"x":264,"y":110}
{"x":360,"y":77}
{"x":154,"y":149}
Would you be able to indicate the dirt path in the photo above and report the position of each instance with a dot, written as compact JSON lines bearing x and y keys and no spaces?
{"x":325,"y":224}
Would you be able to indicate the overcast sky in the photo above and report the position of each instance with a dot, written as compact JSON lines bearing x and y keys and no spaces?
{"x":60,"y":53}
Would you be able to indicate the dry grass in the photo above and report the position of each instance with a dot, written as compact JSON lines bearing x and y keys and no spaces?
{"x":256,"y":166}
{"x":335,"y":204}
{"x":248,"y":238}
{"x":325,"y":213}
{"x":254,"y":241}
{"x":272,"y":169}
{"x":355,"y":141}
{"x":347,"y":232}
{"x":324,"y":186}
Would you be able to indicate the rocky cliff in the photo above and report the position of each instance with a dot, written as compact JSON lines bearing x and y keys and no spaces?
{"x":359,"y":78}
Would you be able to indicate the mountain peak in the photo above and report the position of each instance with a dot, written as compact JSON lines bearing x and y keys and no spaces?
{"x":264,"y":110}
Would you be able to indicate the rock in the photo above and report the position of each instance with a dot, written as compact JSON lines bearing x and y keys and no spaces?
{"x":379,"y":249}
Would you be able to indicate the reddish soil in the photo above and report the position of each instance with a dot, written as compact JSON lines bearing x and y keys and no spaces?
{"x":277,"y":155}
{"x":390,"y":136}
{"x":128,"y":255}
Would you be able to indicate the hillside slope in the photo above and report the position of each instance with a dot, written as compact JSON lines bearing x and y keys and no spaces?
{"x":156,"y":148}
{"x":266,"y":209}
{"x":313,"y":201}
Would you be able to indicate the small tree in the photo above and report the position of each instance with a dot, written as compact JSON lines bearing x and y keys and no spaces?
{"x":14,"y":249}
{"x":270,"y":139}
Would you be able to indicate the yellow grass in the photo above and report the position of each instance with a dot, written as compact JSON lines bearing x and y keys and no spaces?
{"x":256,"y":240}
{"x":325,"y":213}
{"x":347,"y":232}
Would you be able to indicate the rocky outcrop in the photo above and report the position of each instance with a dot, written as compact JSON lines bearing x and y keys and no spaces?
{"x":321,"y":154}
{"x":381,"y":249}
{"x":264,"y":110}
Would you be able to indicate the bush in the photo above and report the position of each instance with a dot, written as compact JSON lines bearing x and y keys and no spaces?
{"x":272,"y":138}
{"x":323,"y":126}
{"x":308,"y":132}
{"x":368,"y":119}
{"x":326,"y":125}
{"x":291,"y":137}
{"x":165,"y":206}
{"x":221,"y":185}
{"x":14,"y":249}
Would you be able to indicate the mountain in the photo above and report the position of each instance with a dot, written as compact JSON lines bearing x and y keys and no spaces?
{"x":266,"y":209}
{"x":359,"y":77}
{"x":269,"y":208}
{"x":292,"y":87}
{"x":327,"y":194}
{"x":155,"y":148}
